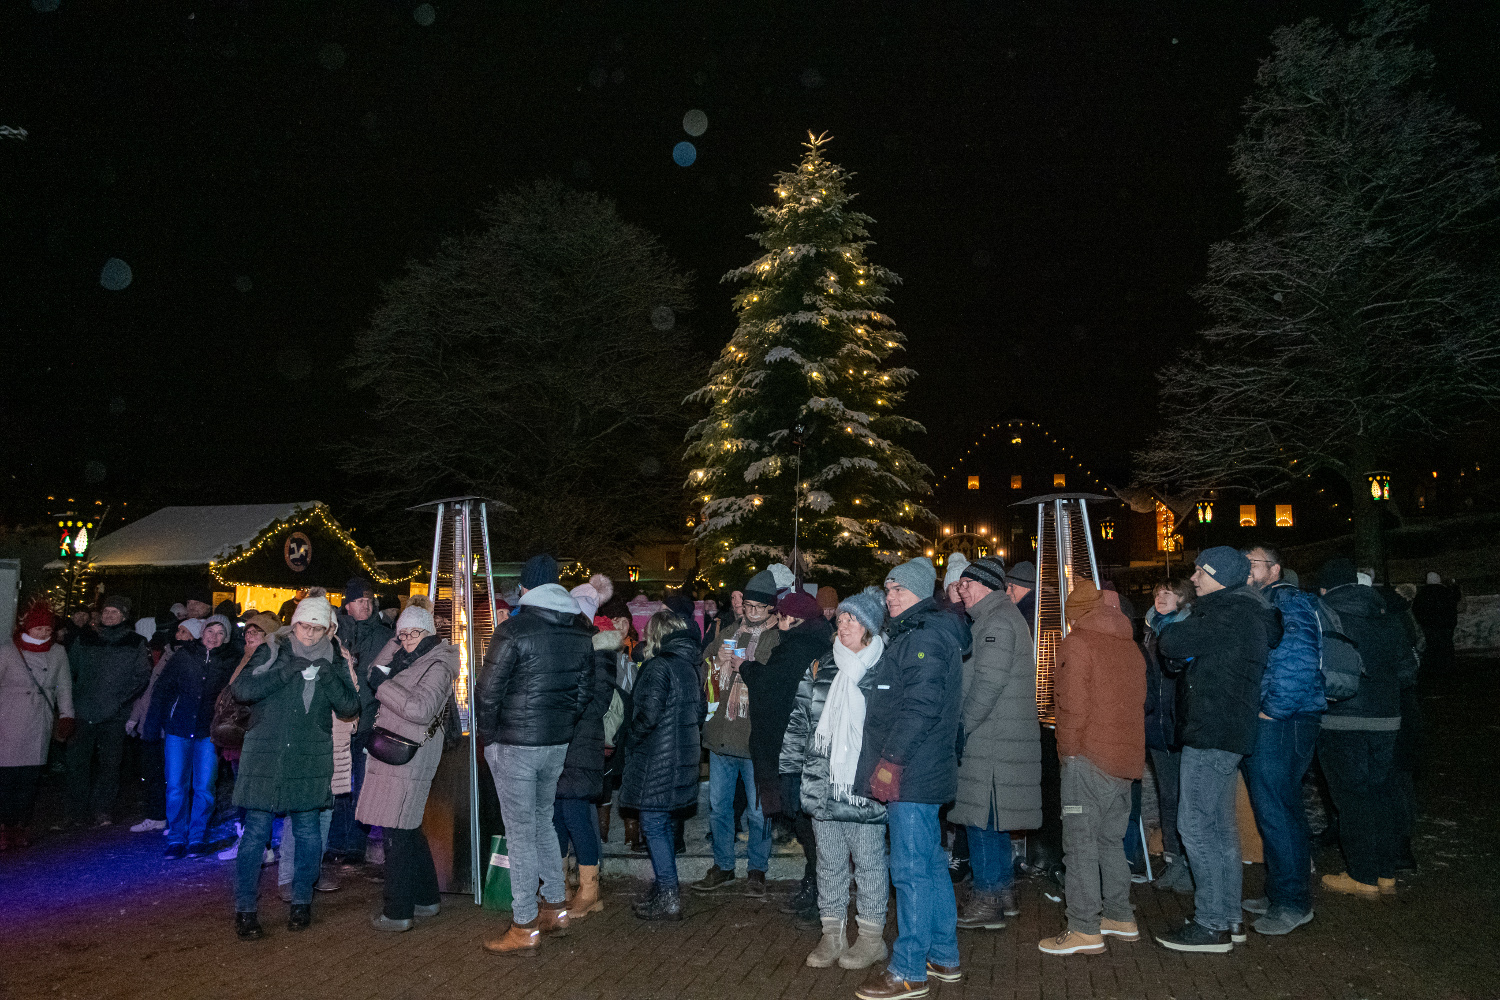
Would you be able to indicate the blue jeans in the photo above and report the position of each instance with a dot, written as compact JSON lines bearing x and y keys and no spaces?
{"x":286,"y":863}
{"x":348,"y":835}
{"x":991,"y":858}
{"x":577,"y":822}
{"x":926,"y":912}
{"x":1273,"y":776}
{"x":1210,"y":836}
{"x":661,"y":842}
{"x":526,"y":783}
{"x":723,"y":772}
{"x":192,"y":765}
{"x":257,"y":837}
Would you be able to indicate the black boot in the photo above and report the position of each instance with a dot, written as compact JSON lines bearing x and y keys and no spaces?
{"x":1406,"y":861}
{"x":247,"y":926}
{"x":665,"y":905}
{"x":300,"y":918}
{"x":805,"y":897}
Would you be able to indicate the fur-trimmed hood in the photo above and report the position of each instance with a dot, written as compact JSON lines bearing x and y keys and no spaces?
{"x":609,"y":641}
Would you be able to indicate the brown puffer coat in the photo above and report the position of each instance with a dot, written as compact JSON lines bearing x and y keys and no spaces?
{"x":1101,"y":694}
{"x":1001,"y":769}
{"x":396,"y":795}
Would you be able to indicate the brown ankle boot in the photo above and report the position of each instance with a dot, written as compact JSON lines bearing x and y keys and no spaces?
{"x":519,"y":939}
{"x":632,"y":833}
{"x":553,"y":918}
{"x":587,"y":900}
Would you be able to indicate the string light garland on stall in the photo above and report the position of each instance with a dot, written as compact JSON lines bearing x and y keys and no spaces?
{"x":298,"y":520}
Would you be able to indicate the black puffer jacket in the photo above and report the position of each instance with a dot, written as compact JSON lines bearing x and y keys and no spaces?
{"x":538,"y":672}
{"x":799,"y":757}
{"x":365,"y":639}
{"x":1229,"y":634}
{"x":583,"y":770}
{"x":182,"y":700}
{"x":1384,"y":651}
{"x":914,"y":704}
{"x":661,"y":740}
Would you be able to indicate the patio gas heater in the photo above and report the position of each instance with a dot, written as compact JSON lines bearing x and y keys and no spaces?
{"x":1064,"y":555}
{"x":462,"y":589}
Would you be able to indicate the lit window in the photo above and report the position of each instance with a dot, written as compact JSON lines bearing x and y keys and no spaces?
{"x":1015,"y":482}
{"x":973,"y":482}
{"x":1205,"y":513}
{"x":1247,"y":515}
{"x":1059,"y":479}
{"x":1166,"y":539}
{"x":1283,"y":515}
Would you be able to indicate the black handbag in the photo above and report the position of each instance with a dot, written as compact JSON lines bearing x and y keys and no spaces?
{"x":394,"y":749}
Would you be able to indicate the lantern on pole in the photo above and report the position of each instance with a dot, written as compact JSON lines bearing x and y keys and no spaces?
{"x":1380,"y":485}
{"x":1064,"y":556}
{"x":462,"y":589}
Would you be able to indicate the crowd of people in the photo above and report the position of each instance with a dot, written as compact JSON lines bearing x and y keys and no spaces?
{"x":867,"y":726}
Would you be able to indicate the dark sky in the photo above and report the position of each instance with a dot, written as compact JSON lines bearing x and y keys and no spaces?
{"x":1046,"y":177}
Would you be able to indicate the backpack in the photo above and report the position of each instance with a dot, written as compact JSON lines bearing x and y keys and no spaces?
{"x":1340,"y":660}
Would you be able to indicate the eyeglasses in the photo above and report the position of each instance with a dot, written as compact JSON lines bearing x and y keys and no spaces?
{"x":756,"y":606}
{"x":410,"y":633}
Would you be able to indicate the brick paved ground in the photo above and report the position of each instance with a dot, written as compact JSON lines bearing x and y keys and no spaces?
{"x":99,"y":914}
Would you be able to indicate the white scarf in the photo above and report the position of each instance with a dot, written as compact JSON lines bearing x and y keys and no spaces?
{"x":841,"y":728}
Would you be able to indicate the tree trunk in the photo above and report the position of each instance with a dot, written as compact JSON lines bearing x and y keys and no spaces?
{"x":1369,"y":540}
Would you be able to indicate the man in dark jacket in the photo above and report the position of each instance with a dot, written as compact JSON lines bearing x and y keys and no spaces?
{"x":909,"y":760}
{"x":364,"y":634}
{"x":1292,"y":703}
{"x":1436,"y":611}
{"x":110,"y":668}
{"x":1229,"y":634}
{"x":536,"y":681}
{"x":1358,"y":740}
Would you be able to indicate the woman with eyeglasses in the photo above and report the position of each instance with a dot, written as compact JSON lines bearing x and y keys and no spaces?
{"x":293,"y":684}
{"x":412,"y":679}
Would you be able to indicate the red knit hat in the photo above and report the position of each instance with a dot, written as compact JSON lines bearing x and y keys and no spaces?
{"x":604,"y":623}
{"x":39,"y":615}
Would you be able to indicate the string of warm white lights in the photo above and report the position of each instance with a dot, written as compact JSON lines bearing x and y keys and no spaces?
{"x":1015,"y":424}
{"x":299,"y":520}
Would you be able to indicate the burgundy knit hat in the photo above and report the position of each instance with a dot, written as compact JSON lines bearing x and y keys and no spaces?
{"x":799,"y":604}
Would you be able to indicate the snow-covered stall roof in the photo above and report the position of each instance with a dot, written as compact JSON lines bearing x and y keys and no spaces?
{"x":189,"y":536}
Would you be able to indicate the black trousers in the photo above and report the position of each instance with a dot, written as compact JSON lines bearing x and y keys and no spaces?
{"x":153,"y":779}
{"x":410,"y":875}
{"x":802,"y":825}
{"x":92,"y":788}
{"x":1361,"y":778}
{"x":18,"y":793}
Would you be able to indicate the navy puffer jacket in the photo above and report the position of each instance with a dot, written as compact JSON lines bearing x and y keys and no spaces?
{"x":182,"y":700}
{"x":914,"y":704}
{"x":661,"y":740}
{"x":538,"y":673}
{"x":1293,"y":681}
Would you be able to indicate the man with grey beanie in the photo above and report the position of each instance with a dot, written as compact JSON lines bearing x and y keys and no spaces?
{"x":908,"y":759}
{"x":1228,"y":636}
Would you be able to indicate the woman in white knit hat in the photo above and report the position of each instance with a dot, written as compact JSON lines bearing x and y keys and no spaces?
{"x":412,"y":678}
{"x":293,"y":684}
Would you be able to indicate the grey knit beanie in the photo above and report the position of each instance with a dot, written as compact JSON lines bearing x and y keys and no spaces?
{"x":867,"y":607}
{"x":916,"y":575}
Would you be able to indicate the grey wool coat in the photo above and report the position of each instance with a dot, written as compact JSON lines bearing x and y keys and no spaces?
{"x":395,"y":795}
{"x":1001,"y":767}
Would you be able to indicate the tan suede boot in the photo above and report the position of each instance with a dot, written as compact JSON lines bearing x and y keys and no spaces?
{"x":868,"y":948}
{"x":553,"y":918}
{"x":586,"y":900}
{"x":832,"y":946}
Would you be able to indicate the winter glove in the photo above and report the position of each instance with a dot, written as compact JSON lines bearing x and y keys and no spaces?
{"x":885,"y":783}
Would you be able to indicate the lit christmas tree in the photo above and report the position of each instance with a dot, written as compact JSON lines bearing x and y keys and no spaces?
{"x":797,"y":449}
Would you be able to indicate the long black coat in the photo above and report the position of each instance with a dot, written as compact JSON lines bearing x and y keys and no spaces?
{"x":536,"y":677}
{"x":583,"y":770}
{"x":661,"y":740}
{"x":773,"y":693}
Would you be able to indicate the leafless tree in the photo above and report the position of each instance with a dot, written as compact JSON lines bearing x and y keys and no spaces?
{"x":1358,"y":311}
{"x":538,"y":361}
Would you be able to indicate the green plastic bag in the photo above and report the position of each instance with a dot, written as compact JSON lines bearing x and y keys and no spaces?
{"x":497,"y":894}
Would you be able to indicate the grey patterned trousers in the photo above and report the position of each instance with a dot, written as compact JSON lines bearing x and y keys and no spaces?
{"x":865,"y":843}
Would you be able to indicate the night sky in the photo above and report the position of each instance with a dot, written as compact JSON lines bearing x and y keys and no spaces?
{"x":1045,"y":177}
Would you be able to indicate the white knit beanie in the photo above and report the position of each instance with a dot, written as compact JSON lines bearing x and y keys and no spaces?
{"x":587,"y":596}
{"x":957,"y":563}
{"x":194,"y":627}
{"x":145,"y":628}
{"x":418,"y":615}
{"x":314,"y":609}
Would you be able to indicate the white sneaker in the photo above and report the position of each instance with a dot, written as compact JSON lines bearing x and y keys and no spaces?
{"x":231,"y":852}
{"x":148,"y":825}
{"x":269,"y":858}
